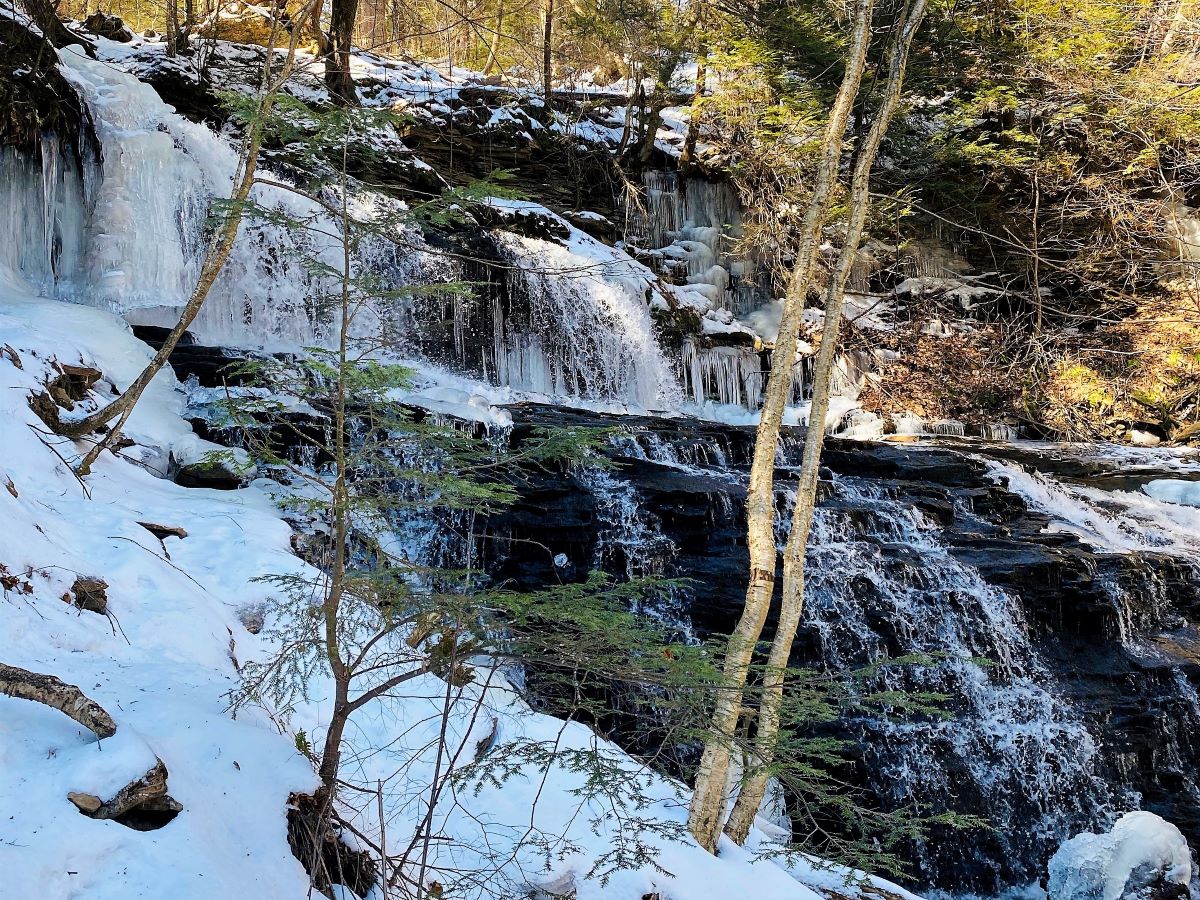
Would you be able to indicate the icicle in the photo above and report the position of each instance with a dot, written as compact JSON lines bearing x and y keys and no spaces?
{"x":729,"y":375}
{"x":948,"y":428}
{"x":587,"y":332}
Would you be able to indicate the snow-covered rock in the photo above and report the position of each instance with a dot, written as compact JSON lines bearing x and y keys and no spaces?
{"x":1144,"y":856}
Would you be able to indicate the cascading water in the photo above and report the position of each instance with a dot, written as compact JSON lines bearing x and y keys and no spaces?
{"x":588,"y":331}
{"x":883,"y":585}
{"x":146,"y":205}
{"x":1043,"y":736}
{"x":1116,"y":521}
{"x":130,"y":235}
{"x":121,"y":225}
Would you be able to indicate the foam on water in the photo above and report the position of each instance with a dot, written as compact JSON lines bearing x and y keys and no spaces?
{"x":1115,"y":521}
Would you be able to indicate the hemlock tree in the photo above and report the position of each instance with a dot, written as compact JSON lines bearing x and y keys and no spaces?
{"x":374,"y":618}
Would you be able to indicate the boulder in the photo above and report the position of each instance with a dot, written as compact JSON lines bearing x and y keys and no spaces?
{"x":248,"y":23}
{"x":90,"y":593}
{"x":107,"y":26}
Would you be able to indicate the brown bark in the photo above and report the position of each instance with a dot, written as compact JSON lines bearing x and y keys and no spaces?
{"x":150,"y":789}
{"x":57,"y":694}
{"x":548,"y":54}
{"x":338,"y":80}
{"x":172,"y":28}
{"x":687,"y":157}
{"x":705,"y":817}
{"x":792,"y":600}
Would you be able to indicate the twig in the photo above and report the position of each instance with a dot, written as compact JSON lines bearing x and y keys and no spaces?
{"x":117,"y":537}
{"x":70,"y":467}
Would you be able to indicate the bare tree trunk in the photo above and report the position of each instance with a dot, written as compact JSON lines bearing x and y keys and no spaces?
{"x":319,"y":35}
{"x":628,"y":128}
{"x":792,"y":605}
{"x":548,"y":54}
{"x":45,"y":16}
{"x":493,"y":60}
{"x":214,"y":261}
{"x":172,"y":28}
{"x":649,"y":122}
{"x":687,"y":157}
{"x":708,"y":803}
{"x":338,"y":80}
{"x":57,"y":694}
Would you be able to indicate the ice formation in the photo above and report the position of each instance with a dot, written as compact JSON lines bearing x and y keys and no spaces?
{"x":1142,"y":854}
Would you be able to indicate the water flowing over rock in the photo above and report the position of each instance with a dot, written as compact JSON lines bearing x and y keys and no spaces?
{"x":1066,"y":663}
{"x":1054,"y":596}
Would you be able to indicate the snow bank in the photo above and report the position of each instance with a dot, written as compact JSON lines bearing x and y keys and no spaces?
{"x":162,"y":665}
{"x":1141,"y":850}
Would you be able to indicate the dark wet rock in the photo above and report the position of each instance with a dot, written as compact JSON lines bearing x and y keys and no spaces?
{"x":215,"y":471}
{"x":35,"y":98}
{"x":600,"y":227}
{"x":156,"y":336}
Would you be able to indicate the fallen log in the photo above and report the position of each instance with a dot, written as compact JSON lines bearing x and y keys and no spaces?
{"x":57,"y":694}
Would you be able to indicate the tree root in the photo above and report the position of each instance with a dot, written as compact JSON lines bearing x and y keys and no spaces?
{"x":328,"y":860}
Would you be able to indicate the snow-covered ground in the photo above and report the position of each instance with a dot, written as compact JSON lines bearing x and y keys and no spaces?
{"x":165,"y":657}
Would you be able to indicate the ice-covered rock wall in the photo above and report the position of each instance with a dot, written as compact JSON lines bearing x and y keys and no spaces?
{"x":122,"y":223}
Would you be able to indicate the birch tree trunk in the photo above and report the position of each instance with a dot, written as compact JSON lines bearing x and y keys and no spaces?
{"x":792,"y":601}
{"x":214,"y":261}
{"x":707,"y":811}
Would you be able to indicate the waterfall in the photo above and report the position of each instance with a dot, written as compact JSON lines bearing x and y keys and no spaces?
{"x":147,"y":202}
{"x":627,"y":539}
{"x":585,"y":329}
{"x":130,"y":235}
{"x":1114,"y":521}
{"x":881,"y":585}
